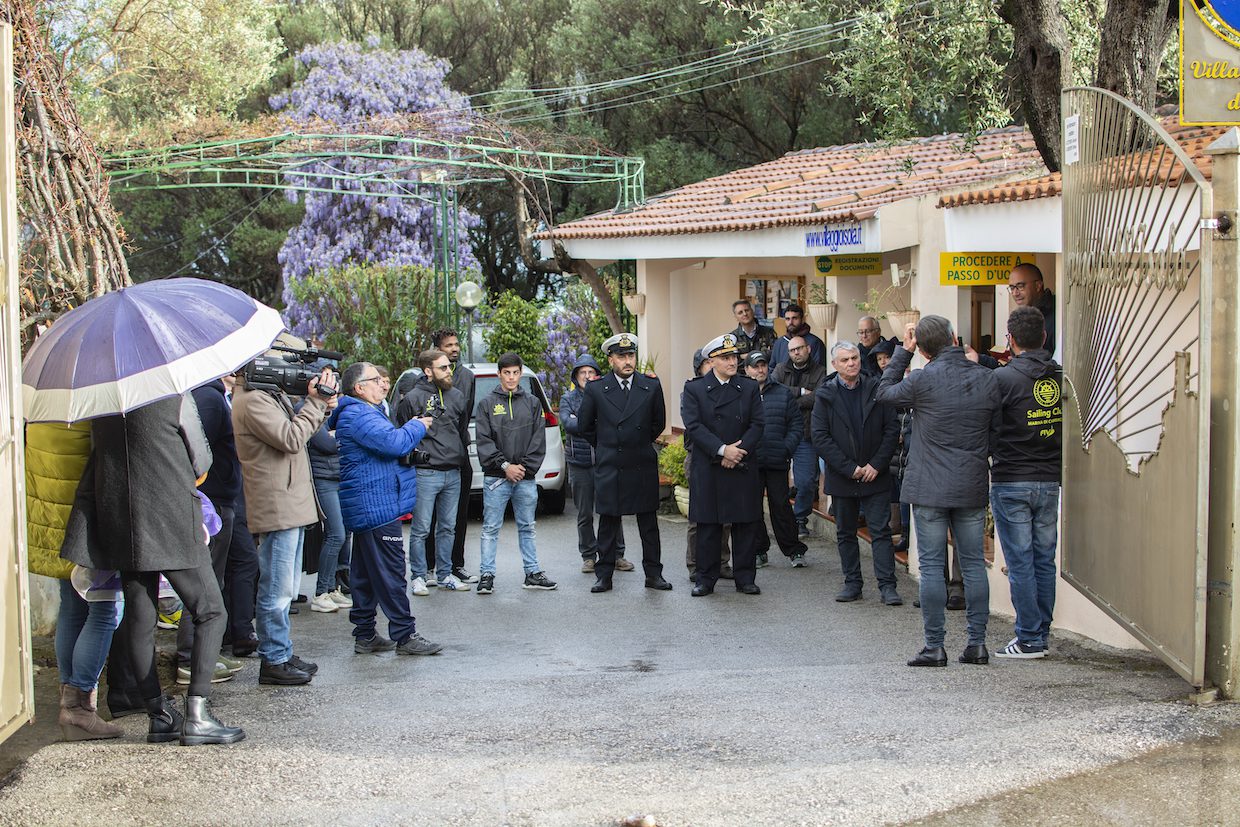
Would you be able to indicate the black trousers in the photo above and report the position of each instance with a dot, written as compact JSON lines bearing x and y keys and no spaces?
{"x":610,"y":539}
{"x":241,"y":579}
{"x":744,"y":552}
{"x":219,"y":560}
{"x":199,"y":590}
{"x":783,"y":523}
{"x":462,"y":520}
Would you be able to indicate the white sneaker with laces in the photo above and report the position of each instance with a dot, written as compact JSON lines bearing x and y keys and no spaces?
{"x":453,"y":584}
{"x":1019,"y":651}
{"x":323,"y":603}
{"x":341,"y":599}
{"x":419,"y":587}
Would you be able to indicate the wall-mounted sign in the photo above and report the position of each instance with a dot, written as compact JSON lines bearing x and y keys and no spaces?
{"x":1209,"y":62}
{"x":977,"y":269}
{"x":865,"y":264}
{"x":832,"y":238}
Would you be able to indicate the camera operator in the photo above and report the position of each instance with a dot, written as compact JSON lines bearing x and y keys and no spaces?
{"x":279,"y":494}
{"x":438,"y":461}
{"x":375,"y":490}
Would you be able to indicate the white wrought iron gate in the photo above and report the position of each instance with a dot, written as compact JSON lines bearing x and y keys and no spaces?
{"x":1136,"y":432}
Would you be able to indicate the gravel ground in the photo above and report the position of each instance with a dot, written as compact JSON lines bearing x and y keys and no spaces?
{"x":566,"y":708}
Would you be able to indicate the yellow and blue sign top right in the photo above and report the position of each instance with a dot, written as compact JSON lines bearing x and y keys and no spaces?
{"x":1210,"y":62}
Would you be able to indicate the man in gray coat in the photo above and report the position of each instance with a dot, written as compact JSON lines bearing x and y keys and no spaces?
{"x":957,"y":406}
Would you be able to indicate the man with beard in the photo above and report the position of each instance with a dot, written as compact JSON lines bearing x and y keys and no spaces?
{"x":1027,"y":288}
{"x":724,"y":419}
{"x":794,"y":316}
{"x":623,"y":414}
{"x":803,"y":376}
{"x":438,"y":462}
{"x":448,"y":342}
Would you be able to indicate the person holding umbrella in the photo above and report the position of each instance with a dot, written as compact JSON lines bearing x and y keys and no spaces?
{"x":125,"y":361}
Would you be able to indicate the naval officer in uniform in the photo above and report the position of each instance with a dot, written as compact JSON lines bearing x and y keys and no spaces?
{"x":723,"y":418}
{"x":622,"y":415}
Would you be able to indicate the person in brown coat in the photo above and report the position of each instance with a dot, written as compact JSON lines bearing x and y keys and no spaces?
{"x":137,"y":511}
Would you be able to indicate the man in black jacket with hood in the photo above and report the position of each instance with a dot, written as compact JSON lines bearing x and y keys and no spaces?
{"x":1024,"y":479}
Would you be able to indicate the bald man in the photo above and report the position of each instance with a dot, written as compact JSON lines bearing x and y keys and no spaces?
{"x":1028,"y":289}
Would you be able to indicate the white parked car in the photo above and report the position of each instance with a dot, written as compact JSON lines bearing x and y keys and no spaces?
{"x":550,"y":477}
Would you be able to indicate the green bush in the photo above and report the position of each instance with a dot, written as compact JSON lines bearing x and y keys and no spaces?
{"x":672,"y":462}
{"x":516,"y":326}
{"x":372,"y":312}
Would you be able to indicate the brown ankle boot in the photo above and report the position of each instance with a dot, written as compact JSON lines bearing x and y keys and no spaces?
{"x":78,"y":721}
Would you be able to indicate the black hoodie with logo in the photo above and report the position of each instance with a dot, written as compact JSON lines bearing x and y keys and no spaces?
{"x":1030,"y":443}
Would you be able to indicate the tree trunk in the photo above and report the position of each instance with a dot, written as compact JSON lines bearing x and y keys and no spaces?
{"x":1041,"y":67}
{"x":1134,"y":35}
{"x":562,"y":262}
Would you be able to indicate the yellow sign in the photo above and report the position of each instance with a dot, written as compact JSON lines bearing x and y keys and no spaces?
{"x":1209,"y":62}
{"x":978,"y":269}
{"x":866,"y":264}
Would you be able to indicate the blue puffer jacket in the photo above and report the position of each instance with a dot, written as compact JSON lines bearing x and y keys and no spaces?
{"x":375,"y":488}
{"x":782,"y":432}
{"x":578,"y":451}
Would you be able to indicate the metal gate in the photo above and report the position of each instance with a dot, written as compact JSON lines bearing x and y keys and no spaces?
{"x":1136,"y":434}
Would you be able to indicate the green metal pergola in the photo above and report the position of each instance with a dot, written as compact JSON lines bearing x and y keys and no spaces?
{"x":424,"y":169}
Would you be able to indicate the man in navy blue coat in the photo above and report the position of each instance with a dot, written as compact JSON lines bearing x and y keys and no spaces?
{"x":724,"y":418}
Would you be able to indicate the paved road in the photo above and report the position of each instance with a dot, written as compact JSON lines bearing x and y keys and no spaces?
{"x":566,"y":708}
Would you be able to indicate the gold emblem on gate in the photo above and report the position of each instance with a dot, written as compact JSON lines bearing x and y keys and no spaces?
{"x":1046,"y":392}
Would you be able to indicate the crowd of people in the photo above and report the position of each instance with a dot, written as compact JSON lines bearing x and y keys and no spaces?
{"x":210,"y":495}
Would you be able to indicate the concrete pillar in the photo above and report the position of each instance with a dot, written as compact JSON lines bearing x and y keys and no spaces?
{"x":1222,"y":613}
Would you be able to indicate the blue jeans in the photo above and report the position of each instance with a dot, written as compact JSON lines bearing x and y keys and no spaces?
{"x":333,"y":534}
{"x":279,"y":567}
{"x":83,"y":636}
{"x":1026,"y":520}
{"x":438,"y":493}
{"x":496,"y":493}
{"x":805,"y":478}
{"x":968,"y":526}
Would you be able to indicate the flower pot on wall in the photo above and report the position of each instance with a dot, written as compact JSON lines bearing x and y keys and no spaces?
{"x":822,"y":316}
{"x":900,"y":319}
{"x":636,"y":303}
{"x":682,"y":499}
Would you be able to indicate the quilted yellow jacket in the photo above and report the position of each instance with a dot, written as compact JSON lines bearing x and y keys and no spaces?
{"x":56,"y":455}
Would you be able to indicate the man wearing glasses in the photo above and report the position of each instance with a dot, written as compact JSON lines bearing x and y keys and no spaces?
{"x":1027,"y":288}
{"x":869,"y":334}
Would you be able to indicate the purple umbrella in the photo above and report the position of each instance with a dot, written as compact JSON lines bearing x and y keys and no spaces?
{"x":134,"y":346}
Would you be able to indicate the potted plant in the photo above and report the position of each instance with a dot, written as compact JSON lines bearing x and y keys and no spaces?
{"x":672,"y":467}
{"x":821,"y":310}
{"x":636,"y":303}
{"x":899,"y":315}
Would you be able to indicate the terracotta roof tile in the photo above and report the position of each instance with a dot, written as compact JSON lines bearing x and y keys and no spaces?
{"x":1143,"y":169}
{"x":816,"y":186}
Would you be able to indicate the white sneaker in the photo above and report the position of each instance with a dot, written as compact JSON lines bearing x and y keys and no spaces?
{"x":453,"y":584}
{"x":323,"y":603}
{"x":341,"y":599}
{"x":419,"y":587}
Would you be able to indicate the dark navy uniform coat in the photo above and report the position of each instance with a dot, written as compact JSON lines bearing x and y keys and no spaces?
{"x":715,"y":415}
{"x":623,"y":429}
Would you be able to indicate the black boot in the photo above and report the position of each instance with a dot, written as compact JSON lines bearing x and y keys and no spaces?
{"x":165,"y":720}
{"x":201,"y":727}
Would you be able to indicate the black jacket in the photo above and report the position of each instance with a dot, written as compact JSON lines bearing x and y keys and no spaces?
{"x":577,"y":448}
{"x":844,"y":450}
{"x":324,"y":454}
{"x":623,"y":429}
{"x":1031,"y":435}
{"x":510,"y":427}
{"x":782,"y":432}
{"x":1047,"y":305}
{"x":715,"y":415}
{"x":443,"y":447}
{"x":223,"y":482}
{"x":810,"y":378}
{"x":762,"y":339}
{"x":899,"y":458}
{"x":956,"y":403}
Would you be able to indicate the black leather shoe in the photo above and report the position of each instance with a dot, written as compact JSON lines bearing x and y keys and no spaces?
{"x":281,"y":674}
{"x":658,"y":583}
{"x":749,"y":588}
{"x":702,"y":591}
{"x":602,"y":584}
{"x":930,"y":657}
{"x":201,"y":727}
{"x":848,"y":594}
{"x":975,"y":653}
{"x":166,"y":722}
{"x":244,"y":648}
{"x":306,"y":666}
{"x":955,"y":603}
{"x":891,"y":597}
